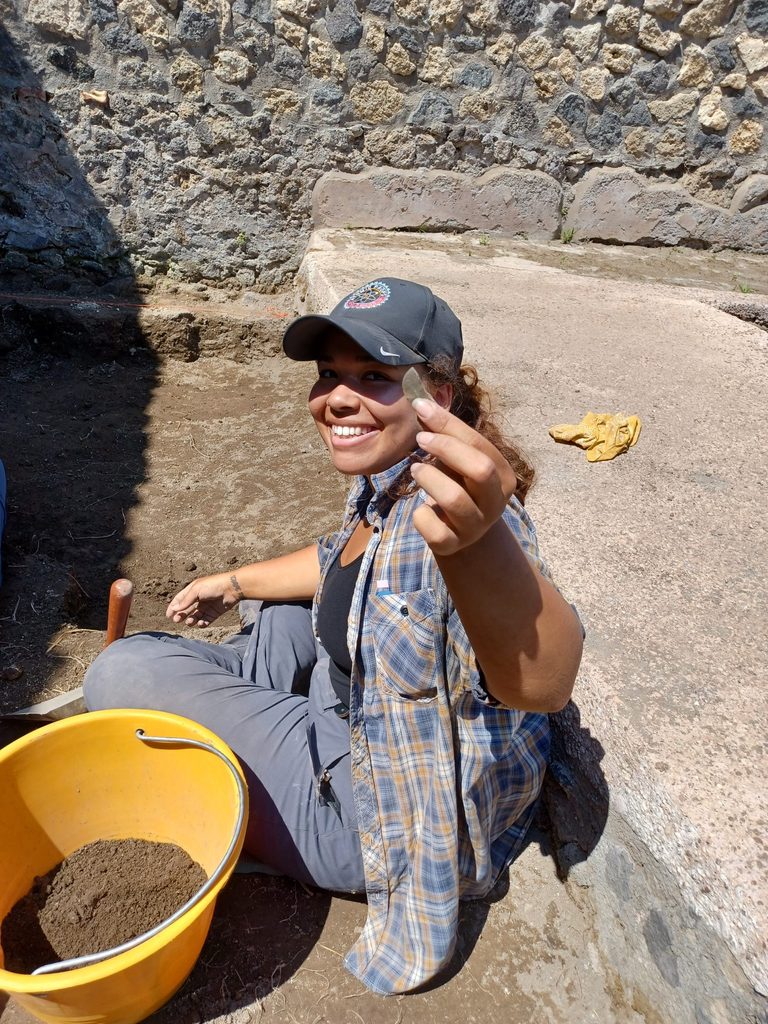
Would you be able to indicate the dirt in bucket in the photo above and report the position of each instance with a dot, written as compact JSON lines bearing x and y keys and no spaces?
{"x":102,"y":895}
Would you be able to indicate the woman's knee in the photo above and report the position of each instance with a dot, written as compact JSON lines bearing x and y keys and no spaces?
{"x":116,"y":674}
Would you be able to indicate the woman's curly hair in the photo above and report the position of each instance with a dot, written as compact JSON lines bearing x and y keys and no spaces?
{"x":472,"y":404}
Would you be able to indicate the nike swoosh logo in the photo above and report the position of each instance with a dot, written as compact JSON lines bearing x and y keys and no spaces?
{"x":385,"y":353}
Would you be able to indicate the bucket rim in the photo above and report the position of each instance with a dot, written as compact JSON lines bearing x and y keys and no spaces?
{"x":40,"y":985}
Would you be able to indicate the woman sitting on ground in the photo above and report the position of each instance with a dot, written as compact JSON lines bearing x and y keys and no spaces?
{"x":388,"y":698}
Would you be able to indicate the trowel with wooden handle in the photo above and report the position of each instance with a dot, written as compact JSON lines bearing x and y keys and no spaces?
{"x":65,"y":705}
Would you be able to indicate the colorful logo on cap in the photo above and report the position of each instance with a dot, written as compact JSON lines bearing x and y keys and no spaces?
{"x":373,"y":294}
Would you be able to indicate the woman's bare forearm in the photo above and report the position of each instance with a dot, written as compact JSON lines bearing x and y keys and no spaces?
{"x":292,"y":577}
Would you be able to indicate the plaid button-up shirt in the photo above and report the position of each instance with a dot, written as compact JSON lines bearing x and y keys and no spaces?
{"x":444,"y":777}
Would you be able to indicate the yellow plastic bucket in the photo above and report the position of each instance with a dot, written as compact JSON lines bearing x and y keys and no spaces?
{"x":92,"y":777}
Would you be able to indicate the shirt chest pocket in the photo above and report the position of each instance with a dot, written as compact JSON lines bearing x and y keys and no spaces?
{"x":402,"y":631}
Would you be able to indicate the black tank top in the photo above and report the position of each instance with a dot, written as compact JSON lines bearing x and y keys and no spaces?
{"x":332,"y":618}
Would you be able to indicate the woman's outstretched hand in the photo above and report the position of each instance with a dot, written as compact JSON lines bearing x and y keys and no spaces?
{"x":204,"y":600}
{"x":467,"y":487}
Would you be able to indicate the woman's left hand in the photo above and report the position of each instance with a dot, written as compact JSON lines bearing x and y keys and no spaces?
{"x":467,"y":488}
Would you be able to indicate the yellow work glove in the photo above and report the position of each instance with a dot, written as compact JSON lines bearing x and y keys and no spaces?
{"x":603,"y":435}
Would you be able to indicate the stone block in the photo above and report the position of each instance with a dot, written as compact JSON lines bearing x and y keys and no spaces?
{"x":232,"y":67}
{"x":301,"y":10}
{"x":651,"y":37}
{"x":566,"y":65}
{"x":557,"y":132}
{"x":287,"y":63}
{"x":60,"y":17}
{"x":148,"y":21}
{"x":753,"y":52}
{"x":547,"y":84}
{"x":654,"y":79}
{"x":638,"y":142}
{"x":481,"y":15}
{"x":638,"y":115}
{"x":468,"y":44}
{"x":735,"y":81}
{"x":675,"y":109}
{"x":479,"y":105}
{"x":623,"y":92}
{"x":187,"y":75}
{"x":747,"y":138}
{"x":584,"y":42}
{"x":667,"y":9}
{"x":437,"y":67}
{"x":707,"y":19}
{"x":502,"y":51}
{"x":433,"y":108}
{"x":325,"y":61}
{"x":282,"y":101}
{"x":593,"y":82}
{"x":503,"y":201}
{"x":376,"y":102}
{"x":622,"y":21}
{"x":619,"y":57}
{"x":620,"y":206}
{"x":752,"y":192}
{"x":411,"y":10}
{"x":517,"y":15}
{"x":604,"y":131}
{"x":586,"y":10}
{"x":398,"y":61}
{"x":573,"y":110}
{"x":68,"y":60}
{"x":695,"y":69}
{"x":711,"y":112}
{"x":671,"y":146}
{"x":292,"y":33}
{"x":521,"y":120}
{"x":196,"y":28}
{"x":474,"y":76}
{"x":445,"y":13}
{"x":757,"y":16}
{"x":374,"y":36}
{"x":722,"y":54}
{"x":534,"y":52}
{"x":344,"y":25}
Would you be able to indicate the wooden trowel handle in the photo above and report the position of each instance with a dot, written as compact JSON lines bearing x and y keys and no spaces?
{"x":120,"y":598}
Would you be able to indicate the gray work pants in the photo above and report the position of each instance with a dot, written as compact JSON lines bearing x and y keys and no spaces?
{"x":267,"y":694}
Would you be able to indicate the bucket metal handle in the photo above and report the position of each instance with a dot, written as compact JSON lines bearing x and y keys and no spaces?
{"x":93,"y":958}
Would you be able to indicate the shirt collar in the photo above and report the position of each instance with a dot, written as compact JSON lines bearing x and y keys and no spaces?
{"x":370,"y":498}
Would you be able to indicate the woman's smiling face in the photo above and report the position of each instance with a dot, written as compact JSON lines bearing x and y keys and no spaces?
{"x":358,"y":405}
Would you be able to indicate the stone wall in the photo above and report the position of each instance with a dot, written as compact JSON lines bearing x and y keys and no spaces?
{"x":185,"y":137}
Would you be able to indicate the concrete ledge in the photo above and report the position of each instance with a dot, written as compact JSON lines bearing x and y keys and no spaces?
{"x":612,"y":205}
{"x":657,"y":797}
{"x":508,"y":202}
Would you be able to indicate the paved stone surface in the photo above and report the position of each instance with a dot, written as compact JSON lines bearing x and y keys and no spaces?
{"x":664,"y":549}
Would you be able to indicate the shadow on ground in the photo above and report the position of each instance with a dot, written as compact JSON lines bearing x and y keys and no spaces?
{"x":575,"y":798}
{"x":263,"y":930}
{"x":75,"y":380}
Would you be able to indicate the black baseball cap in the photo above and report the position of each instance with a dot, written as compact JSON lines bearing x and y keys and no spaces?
{"x":396,"y":322}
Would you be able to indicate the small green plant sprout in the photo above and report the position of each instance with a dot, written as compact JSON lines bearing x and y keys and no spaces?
{"x":566,"y":235}
{"x":484,"y":239}
{"x":745,"y":289}
{"x":241,"y":240}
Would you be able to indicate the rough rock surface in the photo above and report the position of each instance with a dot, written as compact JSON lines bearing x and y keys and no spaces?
{"x":218,"y":118}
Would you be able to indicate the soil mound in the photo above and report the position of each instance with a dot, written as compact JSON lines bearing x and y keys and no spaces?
{"x":102,"y":895}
